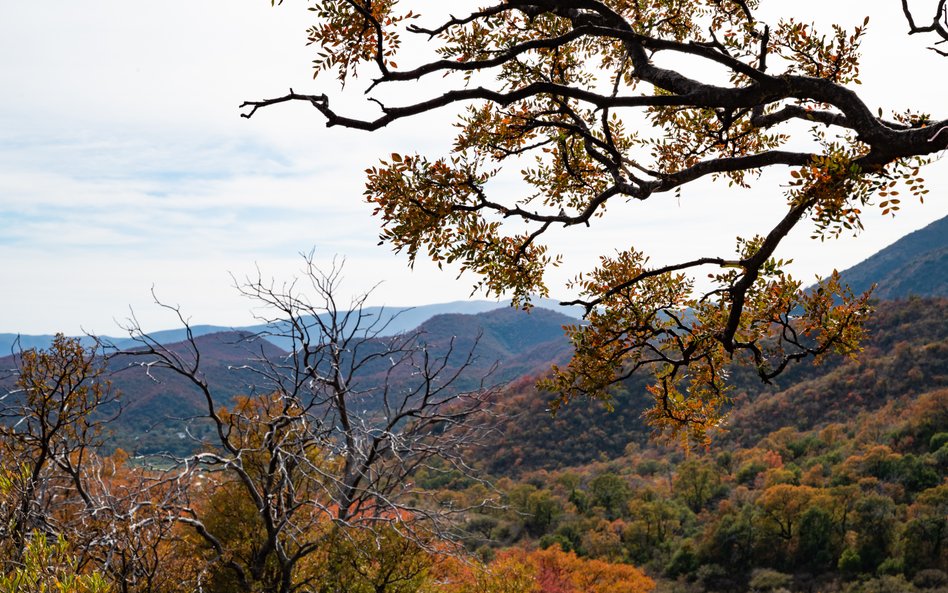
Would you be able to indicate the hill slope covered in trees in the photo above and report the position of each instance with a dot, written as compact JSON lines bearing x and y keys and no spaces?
{"x":904,"y":356}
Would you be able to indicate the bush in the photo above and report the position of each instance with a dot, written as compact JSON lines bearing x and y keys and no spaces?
{"x":849,"y":561}
{"x":930,"y":578}
{"x":650,"y":467}
{"x":49,"y":566}
{"x":748,"y":472}
{"x":938,"y":440}
{"x":713,"y":577}
{"x":891,"y":566}
{"x":765,"y":580}
{"x":683,"y":562}
{"x":556,"y":539}
{"x":883,"y":584}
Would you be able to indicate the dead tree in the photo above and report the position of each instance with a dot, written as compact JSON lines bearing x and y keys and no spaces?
{"x":327,"y":441}
{"x":56,"y":482}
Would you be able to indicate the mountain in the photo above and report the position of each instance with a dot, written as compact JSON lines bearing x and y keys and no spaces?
{"x":915,"y":265}
{"x":158,"y":405}
{"x":396,"y":320}
{"x":904,"y":356}
{"x":518,"y":342}
{"x":905,"y":352}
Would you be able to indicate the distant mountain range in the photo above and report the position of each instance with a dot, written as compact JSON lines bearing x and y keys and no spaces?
{"x":157,"y":405}
{"x":396,"y":320}
{"x":915,"y":265}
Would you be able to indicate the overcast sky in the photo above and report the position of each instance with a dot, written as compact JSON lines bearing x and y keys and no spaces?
{"x":124,"y":165}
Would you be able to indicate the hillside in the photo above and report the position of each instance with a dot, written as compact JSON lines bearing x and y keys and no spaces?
{"x":832,"y":480}
{"x":158,"y":406}
{"x":517,"y":342}
{"x":905,"y":355}
{"x":854,"y":507}
{"x":916,"y":264}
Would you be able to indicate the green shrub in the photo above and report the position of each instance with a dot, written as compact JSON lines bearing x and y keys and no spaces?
{"x":50,"y":568}
{"x":938,"y":440}
{"x":766,"y":580}
{"x":891,"y":566}
{"x":849,"y":561}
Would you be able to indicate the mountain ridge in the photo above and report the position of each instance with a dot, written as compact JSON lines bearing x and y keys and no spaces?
{"x":397,"y":320}
{"x":522,"y":346}
{"x":915,"y":265}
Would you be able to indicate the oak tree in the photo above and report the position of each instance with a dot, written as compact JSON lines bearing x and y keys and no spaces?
{"x":595,"y":103}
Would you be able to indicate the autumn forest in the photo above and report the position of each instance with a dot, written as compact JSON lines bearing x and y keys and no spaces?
{"x":688,"y":419}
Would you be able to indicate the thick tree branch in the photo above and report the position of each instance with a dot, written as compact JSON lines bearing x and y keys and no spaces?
{"x":938,"y":24}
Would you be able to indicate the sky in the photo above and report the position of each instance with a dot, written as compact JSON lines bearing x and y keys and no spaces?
{"x":125,"y":167}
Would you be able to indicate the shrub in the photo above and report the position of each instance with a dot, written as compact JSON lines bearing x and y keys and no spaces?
{"x":49,"y":566}
{"x":766,"y":580}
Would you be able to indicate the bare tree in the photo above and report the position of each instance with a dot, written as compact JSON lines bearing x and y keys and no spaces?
{"x":327,"y":441}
